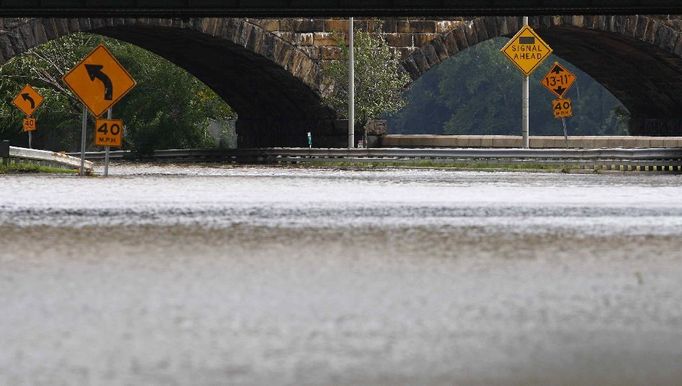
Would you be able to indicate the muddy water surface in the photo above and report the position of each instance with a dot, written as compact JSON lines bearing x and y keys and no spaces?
{"x":209,"y":275}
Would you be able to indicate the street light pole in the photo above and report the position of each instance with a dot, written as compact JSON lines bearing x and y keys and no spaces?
{"x":351,"y":86}
{"x":525,"y":114}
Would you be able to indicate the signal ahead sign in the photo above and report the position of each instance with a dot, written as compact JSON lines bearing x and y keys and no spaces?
{"x":527,"y":50}
{"x":559,"y":80}
{"x":99,"y":81}
{"x":28,"y":100}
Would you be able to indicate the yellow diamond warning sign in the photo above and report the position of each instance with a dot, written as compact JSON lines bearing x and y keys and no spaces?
{"x":527,"y":50}
{"x":100,"y":81}
{"x":28,"y":100}
{"x":558,"y":80}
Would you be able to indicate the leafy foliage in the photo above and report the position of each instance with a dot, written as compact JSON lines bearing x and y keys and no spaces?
{"x":479,"y":92}
{"x":169,"y":108}
{"x":379,"y":79}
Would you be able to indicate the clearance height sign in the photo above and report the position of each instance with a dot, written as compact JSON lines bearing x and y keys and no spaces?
{"x":527,"y":50}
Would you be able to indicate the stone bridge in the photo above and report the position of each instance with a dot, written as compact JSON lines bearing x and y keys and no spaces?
{"x":270,"y":70}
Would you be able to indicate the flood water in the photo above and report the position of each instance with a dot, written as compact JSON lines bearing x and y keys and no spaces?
{"x":208,"y":275}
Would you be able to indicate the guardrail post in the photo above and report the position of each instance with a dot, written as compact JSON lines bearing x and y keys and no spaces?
{"x":4,"y":151}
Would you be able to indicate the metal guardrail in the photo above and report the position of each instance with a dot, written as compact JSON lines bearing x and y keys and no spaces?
{"x":627,"y":159}
{"x":422,"y":141}
{"x":48,"y":157}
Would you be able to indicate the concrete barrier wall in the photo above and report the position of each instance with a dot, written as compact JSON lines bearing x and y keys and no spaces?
{"x":536,"y":142}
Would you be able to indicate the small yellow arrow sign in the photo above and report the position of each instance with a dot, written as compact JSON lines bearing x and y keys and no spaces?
{"x":28,"y":100}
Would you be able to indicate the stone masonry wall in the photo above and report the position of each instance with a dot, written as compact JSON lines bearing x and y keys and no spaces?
{"x":320,"y":38}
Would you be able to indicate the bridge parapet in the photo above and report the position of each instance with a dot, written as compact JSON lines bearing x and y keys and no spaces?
{"x":320,"y":38}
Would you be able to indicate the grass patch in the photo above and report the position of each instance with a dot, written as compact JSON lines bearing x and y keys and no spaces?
{"x":31,"y":168}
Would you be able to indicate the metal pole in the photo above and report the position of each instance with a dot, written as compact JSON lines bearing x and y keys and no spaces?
{"x":563,"y":122}
{"x":83,"y":139}
{"x":30,"y":140}
{"x":351,"y":85}
{"x":525,"y":114}
{"x":106,"y":148}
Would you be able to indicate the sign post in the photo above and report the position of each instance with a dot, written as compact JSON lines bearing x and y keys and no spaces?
{"x":525,"y":104}
{"x":527,"y":51}
{"x":106,"y":149}
{"x":28,"y":100}
{"x":108,"y":133}
{"x":558,"y":81}
{"x":84,"y":127}
{"x":100,"y":82}
{"x":351,"y":85}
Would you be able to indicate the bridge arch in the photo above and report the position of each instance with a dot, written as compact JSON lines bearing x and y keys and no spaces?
{"x":270,"y":83}
{"x":637,"y":58}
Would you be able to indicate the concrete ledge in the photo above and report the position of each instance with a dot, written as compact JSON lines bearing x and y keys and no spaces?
{"x":536,"y":142}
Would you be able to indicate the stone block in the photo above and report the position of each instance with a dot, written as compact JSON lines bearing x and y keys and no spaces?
{"x":503,"y":26}
{"x":286,"y":36}
{"x":411,"y":67}
{"x":471,"y":35}
{"x":612,"y":142}
{"x":304,"y":39}
{"x":481,"y":30}
{"x":642,"y":26}
{"x":441,"y":49}
{"x":312,"y":52}
{"x":491,"y":27}
{"x":406,"y":51}
{"x":506,"y":141}
{"x":302,"y":25}
{"x":444,"y":26}
{"x":74,"y":26}
{"x":50,"y":29}
{"x":269,"y":25}
{"x":325,"y":39}
{"x":630,"y":25}
{"x":426,"y":26}
{"x":420,"y":60}
{"x":580,"y":143}
{"x":450,"y":43}
{"x":431,"y":55}
{"x":61,"y":25}
{"x":475,"y":141}
{"x":375,"y":26}
{"x":422,"y":39}
{"x":403,"y":26}
{"x":330,"y":53}
{"x":84,"y":24}
{"x":487,"y":140}
{"x":460,"y":37}
{"x":335,"y":25}
{"x":640,"y":142}
{"x":578,"y":21}
{"x":399,"y":40}
{"x":657,"y":142}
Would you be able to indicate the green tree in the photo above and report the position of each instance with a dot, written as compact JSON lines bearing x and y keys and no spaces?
{"x":379,"y":79}
{"x":479,"y":92}
{"x":169,"y":108}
